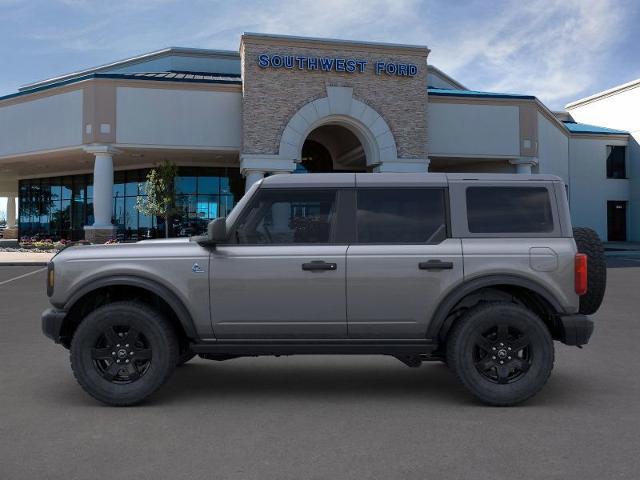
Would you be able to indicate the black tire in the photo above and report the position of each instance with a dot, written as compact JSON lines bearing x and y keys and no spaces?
{"x":122,"y":352}
{"x":479,"y":342}
{"x":588,"y":242}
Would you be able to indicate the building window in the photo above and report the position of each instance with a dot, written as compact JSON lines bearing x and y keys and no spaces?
{"x":616,"y":161}
{"x":60,"y":207}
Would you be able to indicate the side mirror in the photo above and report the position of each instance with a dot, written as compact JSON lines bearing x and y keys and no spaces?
{"x":217,"y":230}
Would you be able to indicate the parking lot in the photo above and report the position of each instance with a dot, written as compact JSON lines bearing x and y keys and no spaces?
{"x":320,"y":417}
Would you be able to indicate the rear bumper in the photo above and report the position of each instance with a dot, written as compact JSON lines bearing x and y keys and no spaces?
{"x":575,"y":329}
{"x":52,"y":319}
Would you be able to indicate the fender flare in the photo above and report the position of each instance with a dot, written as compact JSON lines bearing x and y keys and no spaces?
{"x":183,"y":315}
{"x":439,"y":325}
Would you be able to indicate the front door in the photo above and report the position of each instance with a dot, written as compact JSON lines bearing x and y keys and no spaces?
{"x":617,"y":221}
{"x":402,"y":262}
{"x":284,"y":274}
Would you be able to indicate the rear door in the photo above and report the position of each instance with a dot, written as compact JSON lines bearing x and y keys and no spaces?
{"x":402,"y":263}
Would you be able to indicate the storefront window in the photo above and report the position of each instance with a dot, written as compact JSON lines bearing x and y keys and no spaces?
{"x":60,"y":207}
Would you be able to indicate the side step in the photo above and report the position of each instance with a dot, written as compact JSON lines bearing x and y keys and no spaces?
{"x":399,"y":348}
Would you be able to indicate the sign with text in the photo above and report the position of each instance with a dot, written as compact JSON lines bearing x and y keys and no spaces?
{"x":335,"y":64}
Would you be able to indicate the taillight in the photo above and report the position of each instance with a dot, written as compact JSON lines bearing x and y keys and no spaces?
{"x":581,"y":273}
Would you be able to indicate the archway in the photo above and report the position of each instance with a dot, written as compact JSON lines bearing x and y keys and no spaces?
{"x":332,"y":148}
{"x":355,"y":136}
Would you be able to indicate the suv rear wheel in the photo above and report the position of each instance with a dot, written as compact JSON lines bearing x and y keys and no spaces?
{"x":123,"y":352}
{"x":501,"y":352}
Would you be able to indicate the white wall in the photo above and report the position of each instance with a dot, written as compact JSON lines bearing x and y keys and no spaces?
{"x":190,"y":118}
{"x":42,"y":124}
{"x":620,"y":111}
{"x":461,"y":129}
{"x":589,"y":188}
{"x":553,"y":149}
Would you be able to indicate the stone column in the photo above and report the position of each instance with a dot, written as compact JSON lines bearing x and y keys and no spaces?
{"x":524,"y":164}
{"x":254,"y":167}
{"x":102,"y":228}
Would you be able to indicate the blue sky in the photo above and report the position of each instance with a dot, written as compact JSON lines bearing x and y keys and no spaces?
{"x":558,"y":50}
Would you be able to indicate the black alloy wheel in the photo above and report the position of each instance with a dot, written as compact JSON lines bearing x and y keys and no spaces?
{"x":501,"y":352}
{"x":122,"y":352}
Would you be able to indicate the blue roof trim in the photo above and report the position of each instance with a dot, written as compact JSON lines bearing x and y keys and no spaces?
{"x":226,"y":79}
{"x":575,"y":127}
{"x":445,"y":92}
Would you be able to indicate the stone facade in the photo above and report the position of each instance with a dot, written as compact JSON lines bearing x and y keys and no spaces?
{"x":272,"y":96}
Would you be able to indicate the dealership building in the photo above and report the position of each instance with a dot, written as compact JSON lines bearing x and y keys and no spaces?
{"x":75,"y":149}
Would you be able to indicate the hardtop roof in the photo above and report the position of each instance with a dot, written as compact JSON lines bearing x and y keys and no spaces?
{"x":326,"y":180}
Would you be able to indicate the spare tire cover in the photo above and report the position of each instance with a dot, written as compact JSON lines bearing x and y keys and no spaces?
{"x":588,"y":242}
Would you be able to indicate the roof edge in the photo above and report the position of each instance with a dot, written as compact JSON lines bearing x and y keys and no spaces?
{"x":129,"y":61}
{"x":604,"y":93}
{"x":335,"y":41}
{"x":446,"y":76}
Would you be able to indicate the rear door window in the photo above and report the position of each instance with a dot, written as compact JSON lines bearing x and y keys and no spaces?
{"x":403,"y":215}
{"x":509,"y":210}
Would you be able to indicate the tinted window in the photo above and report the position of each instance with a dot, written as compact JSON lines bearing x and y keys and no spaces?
{"x":616,"y":167}
{"x":411,"y":215}
{"x":509,"y":210}
{"x":289,"y":216}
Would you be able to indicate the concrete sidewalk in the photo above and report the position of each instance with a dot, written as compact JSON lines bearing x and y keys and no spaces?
{"x":24,"y":258}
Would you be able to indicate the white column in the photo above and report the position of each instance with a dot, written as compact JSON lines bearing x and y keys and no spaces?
{"x":102,"y":190}
{"x":251,"y":177}
{"x":524,"y":164}
{"x":11,"y":212}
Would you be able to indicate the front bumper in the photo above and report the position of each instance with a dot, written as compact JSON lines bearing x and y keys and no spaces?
{"x":52,"y":319}
{"x":575,"y":329}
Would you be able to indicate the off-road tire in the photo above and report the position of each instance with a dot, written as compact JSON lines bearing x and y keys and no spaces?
{"x":462,"y":351}
{"x":156,"y":341}
{"x":589,"y":243}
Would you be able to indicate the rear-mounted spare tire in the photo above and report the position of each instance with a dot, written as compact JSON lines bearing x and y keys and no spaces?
{"x":589,"y":243}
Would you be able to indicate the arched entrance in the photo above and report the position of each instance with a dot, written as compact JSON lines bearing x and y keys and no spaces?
{"x":337,"y":133}
{"x":332,"y":148}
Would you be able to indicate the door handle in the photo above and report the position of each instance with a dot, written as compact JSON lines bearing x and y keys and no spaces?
{"x":319,"y":265}
{"x":435,"y":265}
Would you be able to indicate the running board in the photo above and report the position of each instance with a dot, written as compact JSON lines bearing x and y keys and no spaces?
{"x":401,"y":348}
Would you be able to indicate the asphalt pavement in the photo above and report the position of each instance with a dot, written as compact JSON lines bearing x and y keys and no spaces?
{"x":314,"y":417}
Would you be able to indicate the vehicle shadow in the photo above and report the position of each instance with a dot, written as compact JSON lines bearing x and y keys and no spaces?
{"x":337,"y":379}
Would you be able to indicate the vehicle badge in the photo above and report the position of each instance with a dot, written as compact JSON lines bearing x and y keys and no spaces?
{"x":196,"y":268}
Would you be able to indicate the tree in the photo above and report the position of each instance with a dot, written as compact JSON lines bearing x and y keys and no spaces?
{"x":160,"y":193}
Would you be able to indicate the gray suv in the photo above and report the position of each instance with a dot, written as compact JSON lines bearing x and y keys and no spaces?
{"x":482,"y":272}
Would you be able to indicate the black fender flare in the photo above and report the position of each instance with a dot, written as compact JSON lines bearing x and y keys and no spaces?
{"x":439,"y":325}
{"x":182,"y":313}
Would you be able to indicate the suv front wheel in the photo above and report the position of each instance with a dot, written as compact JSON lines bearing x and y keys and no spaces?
{"x":501,"y":352}
{"x":122,"y":352}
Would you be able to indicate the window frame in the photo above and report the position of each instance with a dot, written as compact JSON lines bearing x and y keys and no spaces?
{"x":344,"y":203}
{"x":447,"y":213}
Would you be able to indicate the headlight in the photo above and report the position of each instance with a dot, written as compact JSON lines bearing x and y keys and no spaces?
{"x":51,"y":277}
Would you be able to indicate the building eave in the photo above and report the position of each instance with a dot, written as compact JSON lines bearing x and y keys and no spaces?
{"x":605,"y":93}
{"x":130,"y":61}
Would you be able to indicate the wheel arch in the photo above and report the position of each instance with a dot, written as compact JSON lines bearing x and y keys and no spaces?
{"x":123,"y":287}
{"x":513,"y":285}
